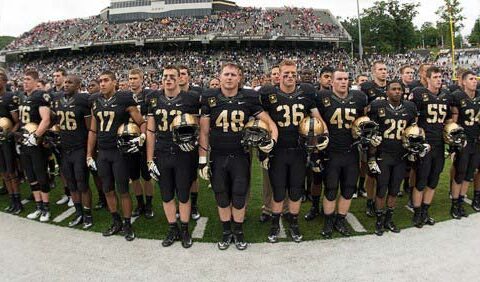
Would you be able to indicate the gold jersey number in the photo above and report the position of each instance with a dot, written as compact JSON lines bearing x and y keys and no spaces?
{"x":234,"y":121}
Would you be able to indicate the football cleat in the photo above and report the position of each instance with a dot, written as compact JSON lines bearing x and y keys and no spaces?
{"x":370,"y":210}
{"x":476,"y":203}
{"x":172,"y":236}
{"x":18,"y":208}
{"x":113,"y":229}
{"x":417,"y":218}
{"x":239,"y":241}
{"x":389,"y":225}
{"x":100,"y":205}
{"x":195,"y":214}
{"x":227,"y":238}
{"x":10,"y":208}
{"x":70,"y":202}
{"x":138,"y":211}
{"x":312,"y":214}
{"x":148,"y":212}
{"x":76,"y":221}
{"x":186,"y":239}
{"x":273,"y":234}
{"x":295,"y":233}
{"x":265,"y":217}
{"x":45,"y":216}
{"x":128,"y":232}
{"x":63,"y":200}
{"x":455,"y":212}
{"x":461,"y":209}
{"x":329,"y":221}
{"x":87,"y":222}
{"x":342,"y":226}
{"x":34,"y":215}
{"x":427,"y":219}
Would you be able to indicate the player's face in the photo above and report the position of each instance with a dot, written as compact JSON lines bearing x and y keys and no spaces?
{"x":29,"y":84}
{"x":407,"y":75}
{"x":255,"y":82}
{"x":470,"y":83}
{"x":123,"y":85}
{"x":107,"y":84}
{"x":214,"y":83}
{"x":184,"y":78}
{"x":154,"y":86}
{"x":135,"y":81}
{"x":288,"y":76}
{"x":395,"y":92}
{"x":275,"y":76}
{"x":170,"y":80}
{"x":380,"y":72}
{"x":435,"y":81}
{"x":93,"y":87}
{"x":230,"y":78}
{"x":58,"y":79}
{"x":40,"y":86}
{"x":70,"y":86}
{"x":340,"y":82}
{"x":326,"y":80}
{"x":361,"y":79}
{"x":423,"y":71}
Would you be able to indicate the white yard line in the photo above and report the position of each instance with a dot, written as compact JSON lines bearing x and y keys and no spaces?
{"x":25,"y":201}
{"x":354,"y":223}
{"x":64,"y":215}
{"x":200,"y":227}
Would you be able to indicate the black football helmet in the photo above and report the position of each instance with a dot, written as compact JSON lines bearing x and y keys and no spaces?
{"x":125,"y":133}
{"x":454,"y":135}
{"x":255,"y":133}
{"x":413,"y":138}
{"x":185,"y":129}
{"x":311,"y":132}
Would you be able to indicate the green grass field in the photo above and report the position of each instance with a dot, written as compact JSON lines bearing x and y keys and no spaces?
{"x":156,"y":228}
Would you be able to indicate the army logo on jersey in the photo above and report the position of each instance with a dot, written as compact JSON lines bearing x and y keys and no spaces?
{"x":371,"y":93}
{"x":272,"y":98}
{"x":425,"y":97}
{"x":153,"y":102}
{"x":15,"y":100}
{"x":381,"y":112}
{"x":326,"y":102}
{"x":46,"y":97}
{"x":212,"y":101}
{"x":463,"y":103}
{"x":94,"y":105}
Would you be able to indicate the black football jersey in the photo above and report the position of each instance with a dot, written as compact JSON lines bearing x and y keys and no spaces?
{"x":109,"y":114}
{"x":141,"y":100}
{"x":433,"y":111}
{"x":29,"y":106}
{"x":407,"y":90}
{"x":468,"y":113}
{"x":165,"y":109}
{"x":8,"y":105}
{"x":392,"y":122}
{"x":228,"y":116}
{"x":373,"y":91}
{"x":339,"y":114}
{"x":287,"y":110}
{"x":71,"y":112}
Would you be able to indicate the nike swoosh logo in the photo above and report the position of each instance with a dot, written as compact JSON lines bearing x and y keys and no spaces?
{"x":300,"y":98}
{"x":241,"y":103}
{"x":114,"y":105}
{"x":178,"y":105}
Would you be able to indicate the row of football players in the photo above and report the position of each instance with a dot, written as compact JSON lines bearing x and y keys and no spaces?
{"x":224,"y":112}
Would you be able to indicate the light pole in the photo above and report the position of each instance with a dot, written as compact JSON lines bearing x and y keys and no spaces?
{"x":360,"y":47}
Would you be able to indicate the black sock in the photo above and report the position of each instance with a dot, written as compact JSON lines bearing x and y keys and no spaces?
{"x":39,"y":205}
{"x":227,"y":226}
{"x":127,"y":220}
{"x":425,"y":207}
{"x":361,"y":183}
{"x":276,"y":219}
{"x":16,"y":198}
{"x":316,"y":202}
{"x":87,"y":211}
{"x":46,"y":206}
{"x":293,"y":219}
{"x":476,"y":193}
{"x":67,"y":191}
{"x":193,"y":198}
{"x":149,"y":200}
{"x":140,"y":201}
{"x":406,"y":184}
{"x":461,"y":198}
{"x":238,"y":227}
{"x":184,"y":226}
{"x":116,"y":217}
{"x":173,"y":225}
{"x":78,"y":208}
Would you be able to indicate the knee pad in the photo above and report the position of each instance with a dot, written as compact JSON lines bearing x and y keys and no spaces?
{"x":348,"y":191}
{"x":45,"y":188}
{"x":238,"y":201}
{"x":183,"y":196}
{"x":331,"y":193}
{"x":223,"y":200}
{"x":295,"y":194}
{"x":278,"y":194}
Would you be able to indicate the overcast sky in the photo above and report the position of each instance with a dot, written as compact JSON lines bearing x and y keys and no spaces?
{"x":18,"y":16}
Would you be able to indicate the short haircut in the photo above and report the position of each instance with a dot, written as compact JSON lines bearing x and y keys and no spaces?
{"x":62,"y":71}
{"x":172,"y":67}
{"x":136,"y":71}
{"x":32,"y":73}
{"x":287,"y":62}
{"x":338,"y":70}
{"x":274,"y":67}
{"x":109,"y":73}
{"x":467,"y":73}
{"x":424,"y":65}
{"x":42,"y":82}
{"x":404,"y":67}
{"x":183,"y":67}
{"x":460,"y":72}
{"x":95,"y":81}
{"x":76,"y":79}
{"x":389,"y":83}
{"x":232,"y":65}
{"x":212,"y":79}
{"x":433,"y":69}
{"x":378,"y":62}
{"x":326,"y":70}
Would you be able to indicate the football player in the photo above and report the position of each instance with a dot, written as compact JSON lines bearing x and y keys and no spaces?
{"x":325,"y":79}
{"x":175,"y":164}
{"x":393,"y":116}
{"x":374,"y":89}
{"x":288,"y":104}
{"x":73,"y":116}
{"x":406,"y":74}
{"x":214,"y":83}
{"x":137,"y":166}
{"x":9,"y":123}
{"x":110,"y":110}
{"x":224,"y":113}
{"x":434,"y":108}
{"x":34,"y":107}
{"x":340,"y":107}
{"x":184,"y":83}
{"x":422,"y":74}
{"x":465,"y":112}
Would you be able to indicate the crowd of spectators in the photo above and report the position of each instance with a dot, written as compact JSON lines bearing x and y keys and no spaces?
{"x":245,"y":21}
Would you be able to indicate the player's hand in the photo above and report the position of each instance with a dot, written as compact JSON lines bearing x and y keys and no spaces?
{"x":373,"y":167}
{"x":189,"y":146}
{"x":203,"y":168}
{"x":322,"y":145}
{"x":264,"y":160}
{"x":91,"y":164}
{"x":267,"y":146}
{"x":153,"y":170}
{"x":138,"y":141}
{"x":376,"y":140}
{"x":426,"y":148}
{"x":29,"y":140}
{"x":412,"y":157}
